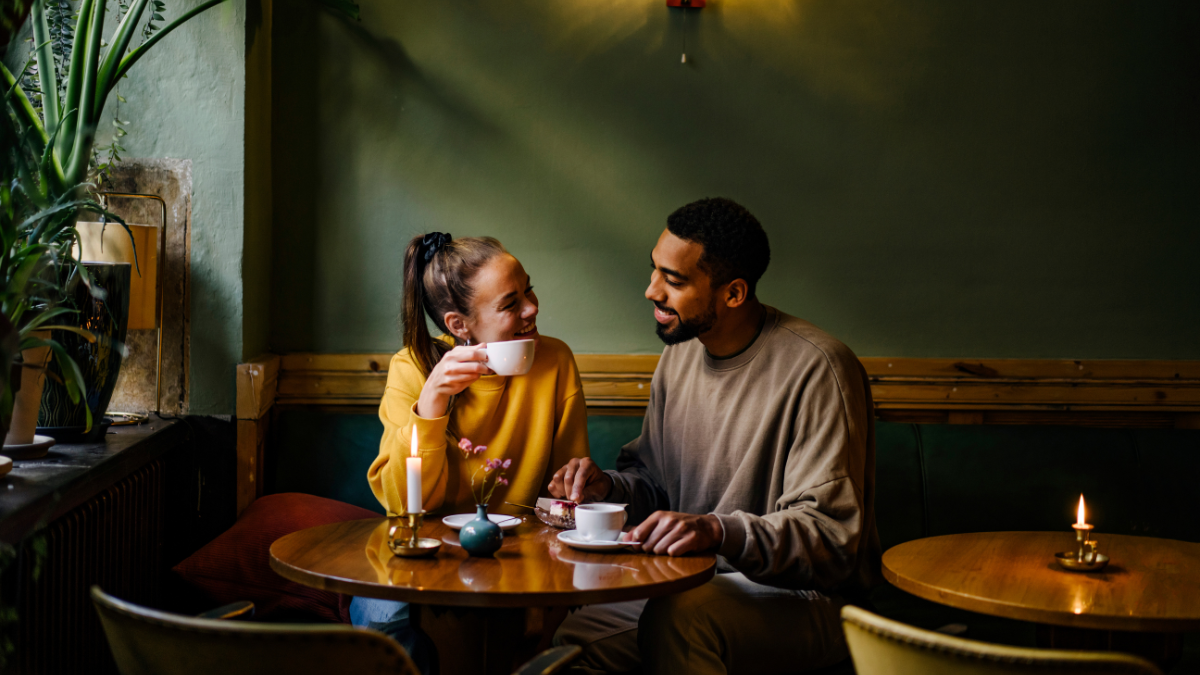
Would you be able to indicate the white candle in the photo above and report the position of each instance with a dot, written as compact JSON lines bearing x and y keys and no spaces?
{"x":414,"y":476}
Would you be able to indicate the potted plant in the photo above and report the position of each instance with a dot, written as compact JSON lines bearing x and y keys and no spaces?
{"x":36,"y":235}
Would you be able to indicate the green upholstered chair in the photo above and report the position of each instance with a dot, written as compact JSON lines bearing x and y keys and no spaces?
{"x":149,"y":642}
{"x":881,"y":646}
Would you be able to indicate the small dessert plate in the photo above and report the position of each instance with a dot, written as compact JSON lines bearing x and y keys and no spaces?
{"x":457,"y":521}
{"x":573,"y":539}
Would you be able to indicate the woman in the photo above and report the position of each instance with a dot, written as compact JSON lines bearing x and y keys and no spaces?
{"x":475,"y":292}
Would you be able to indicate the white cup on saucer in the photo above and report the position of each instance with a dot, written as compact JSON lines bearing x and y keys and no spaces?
{"x":599,"y":522}
{"x":512,"y":357}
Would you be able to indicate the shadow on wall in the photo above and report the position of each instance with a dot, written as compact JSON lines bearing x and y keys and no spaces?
{"x":888,"y":147}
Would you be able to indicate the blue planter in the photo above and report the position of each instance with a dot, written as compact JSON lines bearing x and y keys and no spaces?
{"x":481,"y":537}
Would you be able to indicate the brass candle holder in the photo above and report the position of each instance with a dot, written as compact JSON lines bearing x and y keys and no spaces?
{"x":411,"y":545}
{"x":1086,"y":557}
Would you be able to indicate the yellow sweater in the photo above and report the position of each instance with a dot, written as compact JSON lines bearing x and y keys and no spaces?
{"x":538,"y":420}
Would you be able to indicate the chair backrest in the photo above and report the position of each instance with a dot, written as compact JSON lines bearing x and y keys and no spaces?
{"x":881,"y":646}
{"x":148,"y":642}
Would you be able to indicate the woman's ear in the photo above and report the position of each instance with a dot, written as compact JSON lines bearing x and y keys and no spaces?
{"x":457,"y":325}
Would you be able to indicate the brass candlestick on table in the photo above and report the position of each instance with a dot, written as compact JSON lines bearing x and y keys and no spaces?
{"x":412,"y":546}
{"x":1086,"y":557}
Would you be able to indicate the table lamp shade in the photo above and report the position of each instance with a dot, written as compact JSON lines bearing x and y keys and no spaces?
{"x":111,"y":243}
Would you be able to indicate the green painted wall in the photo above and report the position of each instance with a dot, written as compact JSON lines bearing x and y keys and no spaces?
{"x":938,"y":178}
{"x":186,"y":100}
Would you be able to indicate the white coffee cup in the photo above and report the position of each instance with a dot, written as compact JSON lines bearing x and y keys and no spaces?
{"x":514,"y":357}
{"x":599,"y":522}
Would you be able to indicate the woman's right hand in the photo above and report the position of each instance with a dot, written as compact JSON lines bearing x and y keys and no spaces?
{"x":456,"y":371}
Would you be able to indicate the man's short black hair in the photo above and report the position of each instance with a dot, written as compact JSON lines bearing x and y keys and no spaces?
{"x":735,"y":245}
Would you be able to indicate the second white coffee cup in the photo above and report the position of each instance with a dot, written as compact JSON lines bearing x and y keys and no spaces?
{"x":599,"y":522}
{"x":513,"y":357}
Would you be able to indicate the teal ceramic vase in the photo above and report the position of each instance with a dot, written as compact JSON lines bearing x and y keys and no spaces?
{"x":481,"y":537}
{"x":100,"y":362}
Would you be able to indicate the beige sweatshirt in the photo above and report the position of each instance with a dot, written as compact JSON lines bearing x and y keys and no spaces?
{"x":779,"y":443}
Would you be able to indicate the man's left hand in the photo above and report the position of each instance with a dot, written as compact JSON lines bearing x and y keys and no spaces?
{"x":675,"y":534}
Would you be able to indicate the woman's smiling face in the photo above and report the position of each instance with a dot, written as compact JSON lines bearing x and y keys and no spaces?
{"x":505,"y":306}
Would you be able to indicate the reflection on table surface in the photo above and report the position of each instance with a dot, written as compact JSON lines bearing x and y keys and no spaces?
{"x":532,"y":568}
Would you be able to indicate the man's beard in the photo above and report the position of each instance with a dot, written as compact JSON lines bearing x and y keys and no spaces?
{"x":686,"y":330}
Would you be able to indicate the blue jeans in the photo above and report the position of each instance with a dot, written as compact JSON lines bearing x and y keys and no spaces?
{"x":391,"y":618}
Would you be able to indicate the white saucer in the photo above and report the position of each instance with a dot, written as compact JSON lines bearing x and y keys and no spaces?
{"x":573,"y":539}
{"x":456,"y":521}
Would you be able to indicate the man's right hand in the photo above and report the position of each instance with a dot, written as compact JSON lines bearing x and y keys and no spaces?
{"x":580,"y":481}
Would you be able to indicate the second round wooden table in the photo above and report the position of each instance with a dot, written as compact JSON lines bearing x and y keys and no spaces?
{"x":510,"y":603}
{"x":1146,"y":598}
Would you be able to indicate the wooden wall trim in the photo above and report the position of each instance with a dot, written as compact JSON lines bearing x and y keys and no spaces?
{"x":1116,"y":393}
{"x":613,"y":381}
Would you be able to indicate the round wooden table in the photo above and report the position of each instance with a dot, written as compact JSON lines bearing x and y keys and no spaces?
{"x":511,"y":603}
{"x":1147,"y":596}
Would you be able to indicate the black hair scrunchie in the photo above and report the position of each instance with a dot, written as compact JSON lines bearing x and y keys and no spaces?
{"x":433,"y":242}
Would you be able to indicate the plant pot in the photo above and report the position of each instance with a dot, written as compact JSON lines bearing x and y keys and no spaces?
{"x":481,"y":537}
{"x":107,"y":318}
{"x":28,"y":398}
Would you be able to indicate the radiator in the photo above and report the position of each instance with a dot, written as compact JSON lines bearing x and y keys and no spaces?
{"x":113,"y":540}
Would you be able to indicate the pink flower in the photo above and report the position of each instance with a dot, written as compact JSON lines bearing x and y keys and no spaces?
{"x":465,"y":444}
{"x":507,"y":463}
{"x":487,"y":469}
{"x":480,"y":449}
{"x":502,"y":481}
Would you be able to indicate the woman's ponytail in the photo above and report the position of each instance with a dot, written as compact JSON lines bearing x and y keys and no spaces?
{"x":416,"y":335}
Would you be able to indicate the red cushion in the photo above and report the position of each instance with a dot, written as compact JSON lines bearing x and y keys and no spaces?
{"x":236,"y":565}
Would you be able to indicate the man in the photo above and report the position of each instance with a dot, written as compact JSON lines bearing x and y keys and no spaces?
{"x":758,"y":445}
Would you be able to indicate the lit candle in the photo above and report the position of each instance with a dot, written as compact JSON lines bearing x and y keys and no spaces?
{"x":414,"y":476}
{"x":1083,"y":535}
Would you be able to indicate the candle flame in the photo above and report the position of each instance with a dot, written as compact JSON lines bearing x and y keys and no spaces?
{"x":1080,"y":519}
{"x":413,"y":446}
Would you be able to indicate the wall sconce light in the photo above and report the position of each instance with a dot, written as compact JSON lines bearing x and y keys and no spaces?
{"x":686,"y":4}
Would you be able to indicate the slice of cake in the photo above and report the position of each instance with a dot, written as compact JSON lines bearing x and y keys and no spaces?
{"x":562,"y":509}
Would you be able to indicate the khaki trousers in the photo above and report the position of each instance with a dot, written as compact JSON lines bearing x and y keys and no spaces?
{"x":729,"y":625}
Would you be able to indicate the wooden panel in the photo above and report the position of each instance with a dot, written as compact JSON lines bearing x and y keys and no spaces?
{"x":257,"y":380}
{"x":1033,"y":369}
{"x":961,"y":391}
{"x":643,"y":364}
{"x":251,"y":444}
